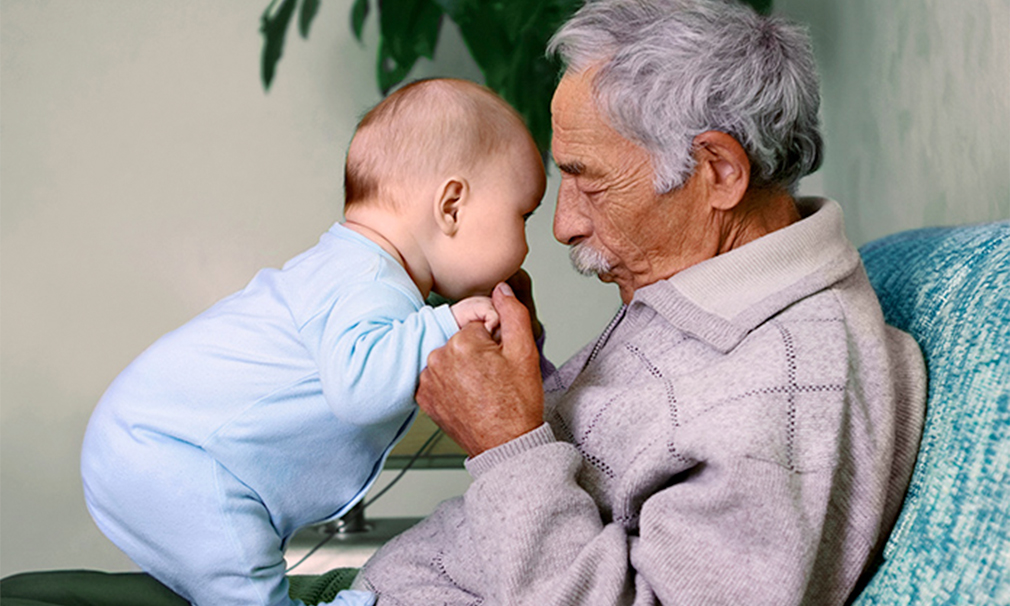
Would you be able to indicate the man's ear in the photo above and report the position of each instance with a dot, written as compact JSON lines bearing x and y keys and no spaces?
{"x":449,"y":199}
{"x":724,"y":165}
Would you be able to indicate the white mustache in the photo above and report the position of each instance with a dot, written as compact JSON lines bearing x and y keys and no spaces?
{"x":587,"y":260}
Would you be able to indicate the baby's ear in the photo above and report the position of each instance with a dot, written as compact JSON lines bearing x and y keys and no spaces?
{"x":449,"y":199}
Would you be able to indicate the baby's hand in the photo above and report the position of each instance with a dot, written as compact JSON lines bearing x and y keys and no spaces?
{"x":476,"y":309}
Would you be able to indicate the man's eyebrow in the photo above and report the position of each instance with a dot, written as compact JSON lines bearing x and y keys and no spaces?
{"x":572,"y":168}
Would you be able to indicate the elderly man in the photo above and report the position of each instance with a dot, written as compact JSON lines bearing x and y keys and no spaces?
{"x":744,"y":430}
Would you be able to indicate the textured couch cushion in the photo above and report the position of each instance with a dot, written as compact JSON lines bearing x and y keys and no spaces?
{"x":950,"y":288}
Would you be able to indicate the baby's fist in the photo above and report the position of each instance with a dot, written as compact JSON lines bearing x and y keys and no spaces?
{"x":476,"y":309}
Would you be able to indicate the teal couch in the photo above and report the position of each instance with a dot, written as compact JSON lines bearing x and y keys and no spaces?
{"x":950,"y":289}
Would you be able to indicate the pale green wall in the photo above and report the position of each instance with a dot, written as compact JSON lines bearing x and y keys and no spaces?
{"x":916,"y":107}
{"x":145,"y":175}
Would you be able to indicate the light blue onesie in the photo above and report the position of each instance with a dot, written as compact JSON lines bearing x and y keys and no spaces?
{"x":272,"y":410}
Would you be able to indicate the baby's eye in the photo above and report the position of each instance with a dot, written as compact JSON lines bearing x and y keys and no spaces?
{"x":527,"y":216}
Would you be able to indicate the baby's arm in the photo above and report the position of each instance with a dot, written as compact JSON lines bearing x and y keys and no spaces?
{"x":476,"y":309}
{"x":370,"y":348}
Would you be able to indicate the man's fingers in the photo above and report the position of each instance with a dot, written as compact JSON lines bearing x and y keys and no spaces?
{"x":471,"y":338}
{"x":514,"y":320}
{"x":474,"y":333}
{"x":522,"y":287}
{"x":491,"y":322}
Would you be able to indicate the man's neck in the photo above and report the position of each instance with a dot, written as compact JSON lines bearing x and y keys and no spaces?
{"x":759,"y":214}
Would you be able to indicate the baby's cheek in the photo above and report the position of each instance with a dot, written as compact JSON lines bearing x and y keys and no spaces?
{"x":514,"y":264}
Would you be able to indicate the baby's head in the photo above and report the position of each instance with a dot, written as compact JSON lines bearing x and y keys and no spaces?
{"x":447,"y":171}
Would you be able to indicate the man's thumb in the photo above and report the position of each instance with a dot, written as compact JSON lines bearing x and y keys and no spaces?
{"x":514,"y":319}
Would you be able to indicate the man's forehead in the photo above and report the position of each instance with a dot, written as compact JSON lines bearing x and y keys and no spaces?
{"x":574,"y":94}
{"x":579,"y":125}
{"x":575,"y":122}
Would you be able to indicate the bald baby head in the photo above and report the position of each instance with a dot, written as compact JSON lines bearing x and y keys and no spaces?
{"x":424,"y":132}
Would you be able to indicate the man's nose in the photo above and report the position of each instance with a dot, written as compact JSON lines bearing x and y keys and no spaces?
{"x":570,"y":223}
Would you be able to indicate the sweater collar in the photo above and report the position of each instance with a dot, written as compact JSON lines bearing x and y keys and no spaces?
{"x":723,"y":298}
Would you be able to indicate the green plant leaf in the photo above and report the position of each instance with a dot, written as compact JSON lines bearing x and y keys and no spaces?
{"x":274,"y":27}
{"x":450,"y":7}
{"x":306,"y":15}
{"x":516,"y":15}
{"x":389,"y":71}
{"x":532,"y":75}
{"x":359,"y":12}
{"x":763,"y":7}
{"x":485,"y":37}
{"x":409,"y":29}
{"x":530,"y":86}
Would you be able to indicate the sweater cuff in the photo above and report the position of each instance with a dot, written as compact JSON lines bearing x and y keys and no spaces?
{"x":490,"y":458}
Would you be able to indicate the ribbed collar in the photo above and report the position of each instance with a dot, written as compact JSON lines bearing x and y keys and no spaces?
{"x":723,"y":298}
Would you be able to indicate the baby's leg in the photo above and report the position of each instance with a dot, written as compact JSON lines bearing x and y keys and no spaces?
{"x":186,"y":520}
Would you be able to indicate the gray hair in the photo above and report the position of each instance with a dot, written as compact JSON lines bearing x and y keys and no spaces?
{"x":673,"y":69}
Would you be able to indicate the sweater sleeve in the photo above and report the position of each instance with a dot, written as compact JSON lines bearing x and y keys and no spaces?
{"x":547,"y":367}
{"x":371,"y":346}
{"x":718,"y":532}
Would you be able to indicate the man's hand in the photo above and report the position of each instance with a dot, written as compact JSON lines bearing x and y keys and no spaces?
{"x":522,"y":287}
{"x":482,"y":393}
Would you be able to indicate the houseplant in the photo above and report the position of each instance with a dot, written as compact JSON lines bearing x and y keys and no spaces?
{"x":506,"y":38}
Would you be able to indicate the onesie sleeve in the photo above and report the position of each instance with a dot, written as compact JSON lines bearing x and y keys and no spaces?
{"x":371,"y":346}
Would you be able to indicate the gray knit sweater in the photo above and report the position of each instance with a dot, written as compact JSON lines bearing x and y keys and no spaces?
{"x":742,"y":433}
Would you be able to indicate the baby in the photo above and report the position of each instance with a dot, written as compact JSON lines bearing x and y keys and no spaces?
{"x":275,"y":408}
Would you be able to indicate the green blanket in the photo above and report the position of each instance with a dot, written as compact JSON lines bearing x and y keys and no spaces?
{"x":94,"y":588}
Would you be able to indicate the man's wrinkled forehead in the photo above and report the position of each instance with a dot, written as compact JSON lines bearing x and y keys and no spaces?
{"x":583,"y":139}
{"x":574,"y":93}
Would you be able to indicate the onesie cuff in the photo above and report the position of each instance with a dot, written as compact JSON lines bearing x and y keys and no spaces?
{"x":446,"y":320}
{"x":490,"y":458}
